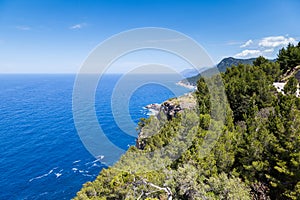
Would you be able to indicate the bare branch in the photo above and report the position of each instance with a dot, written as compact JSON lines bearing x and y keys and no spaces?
{"x":140,"y":195}
{"x":166,"y":189}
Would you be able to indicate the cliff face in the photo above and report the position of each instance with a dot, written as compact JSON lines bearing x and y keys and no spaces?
{"x":173,"y":106}
{"x":166,"y":111}
{"x":170,"y":109}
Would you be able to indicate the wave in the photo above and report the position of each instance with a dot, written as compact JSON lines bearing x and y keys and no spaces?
{"x":152,"y":112}
{"x":87,"y":175}
{"x":74,"y":169}
{"x":82,"y":172}
{"x":76,"y":161}
{"x":44,"y":175}
{"x":98,"y":159}
{"x":94,"y":165}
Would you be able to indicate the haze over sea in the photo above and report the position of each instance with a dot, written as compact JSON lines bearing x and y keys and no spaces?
{"x":41,"y":154}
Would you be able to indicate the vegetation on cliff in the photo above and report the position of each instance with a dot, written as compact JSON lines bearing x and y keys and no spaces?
{"x":255,"y":154}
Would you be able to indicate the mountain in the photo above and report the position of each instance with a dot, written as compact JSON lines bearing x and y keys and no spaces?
{"x":222,"y":66}
{"x":230,"y":61}
{"x":189,"y":73}
{"x":192,"y":72}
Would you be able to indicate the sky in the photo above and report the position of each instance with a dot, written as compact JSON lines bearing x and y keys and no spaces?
{"x":55,"y":36}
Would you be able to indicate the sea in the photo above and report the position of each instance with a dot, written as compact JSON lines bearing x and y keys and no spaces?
{"x":42,"y":155}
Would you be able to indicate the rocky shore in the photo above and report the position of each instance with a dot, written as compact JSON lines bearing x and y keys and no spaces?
{"x":174,"y":105}
{"x":166,"y":110}
{"x":186,"y":85}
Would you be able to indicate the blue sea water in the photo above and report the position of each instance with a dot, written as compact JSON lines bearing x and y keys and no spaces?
{"x":41,"y":154}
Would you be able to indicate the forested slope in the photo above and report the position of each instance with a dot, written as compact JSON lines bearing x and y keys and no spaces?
{"x":255,"y":152}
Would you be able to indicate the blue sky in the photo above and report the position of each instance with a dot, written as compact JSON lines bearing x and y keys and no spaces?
{"x":54,"y":36}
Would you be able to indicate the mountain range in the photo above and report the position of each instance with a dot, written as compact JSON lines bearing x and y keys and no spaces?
{"x":192,"y":76}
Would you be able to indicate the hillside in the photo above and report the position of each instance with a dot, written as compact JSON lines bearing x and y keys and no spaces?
{"x":229,"y":62}
{"x":240,"y":141}
{"x":192,"y":72}
{"x":222,"y":66}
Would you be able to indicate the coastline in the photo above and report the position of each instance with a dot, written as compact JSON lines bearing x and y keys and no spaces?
{"x":185,"y":101}
{"x":162,"y":112}
{"x":186,"y":85}
{"x":154,"y":108}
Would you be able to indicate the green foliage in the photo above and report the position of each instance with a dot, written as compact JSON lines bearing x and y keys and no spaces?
{"x":291,"y":86}
{"x":246,"y":149}
{"x":271,"y":69}
{"x":289,"y":57}
{"x":247,"y":85}
{"x":260,"y":61}
{"x":203,"y":97}
{"x":204,"y":121}
{"x":191,"y":184}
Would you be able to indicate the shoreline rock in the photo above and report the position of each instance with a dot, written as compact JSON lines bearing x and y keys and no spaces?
{"x":186,"y":85}
{"x":154,"y":106}
{"x":186,"y":101}
{"x":166,"y":111}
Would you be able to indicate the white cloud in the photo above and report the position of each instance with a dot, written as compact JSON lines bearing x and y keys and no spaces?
{"x":23,"y":28}
{"x":249,"y":42}
{"x":248,"y":53}
{"x":276,"y":41}
{"x":78,"y":26}
{"x":267,"y":46}
{"x":269,"y":50}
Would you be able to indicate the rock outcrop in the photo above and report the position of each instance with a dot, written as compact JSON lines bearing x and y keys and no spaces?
{"x":173,"y":106}
{"x":165,"y":111}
